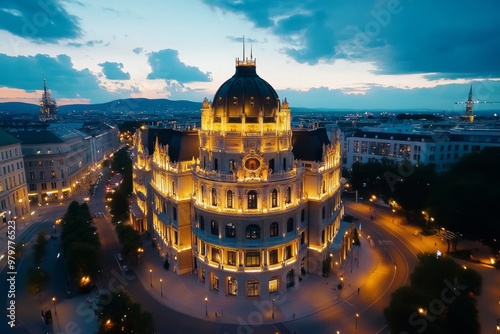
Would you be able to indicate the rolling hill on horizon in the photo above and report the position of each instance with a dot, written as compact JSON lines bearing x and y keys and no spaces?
{"x":142,"y":105}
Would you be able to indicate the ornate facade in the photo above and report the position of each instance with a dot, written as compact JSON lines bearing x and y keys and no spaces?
{"x":246,"y":202}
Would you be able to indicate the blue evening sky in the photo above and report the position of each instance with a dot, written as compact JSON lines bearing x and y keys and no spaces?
{"x":363,"y":54}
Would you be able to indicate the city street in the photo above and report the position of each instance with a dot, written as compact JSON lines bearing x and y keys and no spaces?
{"x":386,"y":257}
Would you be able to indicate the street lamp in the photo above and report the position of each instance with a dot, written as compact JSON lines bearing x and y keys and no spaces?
{"x":54,"y":300}
{"x":161,"y":287}
{"x":342,"y":281}
{"x":427,"y":218}
{"x":273,"y":308}
{"x":393,"y":215}
{"x":357,"y":316}
{"x":151,"y":277}
{"x":206,"y":306}
{"x":139,"y":253}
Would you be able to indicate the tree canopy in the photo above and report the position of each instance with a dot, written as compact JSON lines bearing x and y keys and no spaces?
{"x":81,"y":244}
{"x":119,"y":314}
{"x":440,"y":299}
{"x":464,"y":198}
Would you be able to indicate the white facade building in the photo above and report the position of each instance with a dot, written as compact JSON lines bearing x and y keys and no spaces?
{"x":396,"y":143}
{"x":14,"y":204}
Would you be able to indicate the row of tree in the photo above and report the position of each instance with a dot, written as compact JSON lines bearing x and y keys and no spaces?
{"x":81,"y":244}
{"x":37,"y":278}
{"x":118,"y":313}
{"x":461,"y":200}
{"x":130,"y":239}
{"x":119,"y":206}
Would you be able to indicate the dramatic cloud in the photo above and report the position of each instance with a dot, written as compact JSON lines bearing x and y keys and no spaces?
{"x":113,"y":71}
{"x":41,"y":21}
{"x":28,"y":72}
{"x":165,"y":64}
{"x":137,"y":50}
{"x":447,"y":39}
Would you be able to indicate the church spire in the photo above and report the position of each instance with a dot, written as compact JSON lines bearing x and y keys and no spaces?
{"x":469,"y":116}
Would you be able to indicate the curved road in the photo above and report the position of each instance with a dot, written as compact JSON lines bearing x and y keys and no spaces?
{"x":395,"y":255}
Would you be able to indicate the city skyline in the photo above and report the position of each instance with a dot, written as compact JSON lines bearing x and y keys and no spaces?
{"x":374,"y":55}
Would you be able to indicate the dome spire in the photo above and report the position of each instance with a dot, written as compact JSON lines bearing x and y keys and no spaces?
{"x":246,"y":62}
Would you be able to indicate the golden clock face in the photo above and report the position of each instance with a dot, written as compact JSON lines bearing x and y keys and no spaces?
{"x":252,"y":164}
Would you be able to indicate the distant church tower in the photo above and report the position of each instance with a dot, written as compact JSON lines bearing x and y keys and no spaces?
{"x":48,"y":106}
{"x":469,"y":116}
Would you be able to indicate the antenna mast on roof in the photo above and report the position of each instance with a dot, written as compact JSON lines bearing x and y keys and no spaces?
{"x":243,"y":47}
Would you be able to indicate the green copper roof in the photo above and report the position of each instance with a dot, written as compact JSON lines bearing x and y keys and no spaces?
{"x":6,"y":139}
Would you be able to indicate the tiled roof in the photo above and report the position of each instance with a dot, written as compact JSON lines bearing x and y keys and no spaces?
{"x":7,"y":139}
{"x":39,"y":136}
{"x":182,"y":145}
{"x":308,"y":143}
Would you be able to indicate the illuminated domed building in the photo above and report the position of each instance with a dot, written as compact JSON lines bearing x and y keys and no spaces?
{"x":246,"y":202}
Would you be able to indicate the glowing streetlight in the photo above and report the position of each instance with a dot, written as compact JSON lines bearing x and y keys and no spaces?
{"x":54,"y":301}
{"x":139,"y":253}
{"x":151,"y":277}
{"x":357,"y":316}
{"x":206,"y":306}
{"x":427,"y":218}
{"x":161,"y":287}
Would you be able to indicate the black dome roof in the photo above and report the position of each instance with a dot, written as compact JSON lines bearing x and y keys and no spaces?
{"x":245,"y":93}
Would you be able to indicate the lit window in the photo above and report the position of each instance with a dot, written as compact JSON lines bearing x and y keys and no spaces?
{"x":252,"y":199}
{"x":253,"y":232}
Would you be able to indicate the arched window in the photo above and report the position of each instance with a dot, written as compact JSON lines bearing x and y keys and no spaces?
{"x":284,"y":164}
{"x":252,"y":199}
{"x":232,"y":287}
{"x":271,"y":165}
{"x":214,"y":197}
{"x":274,"y":229}
{"x":252,"y":288}
{"x":323,"y":213}
{"x":273,"y":284}
{"x":203,"y":194}
{"x":288,"y":195}
{"x":202,"y":223}
{"x":289,"y":225}
{"x":274,"y":198}
{"x":174,"y":213}
{"x":214,"y":227}
{"x":302,"y":215}
{"x":229,"y":199}
{"x":230,"y":230}
{"x":253,"y":231}
{"x":216,"y":165}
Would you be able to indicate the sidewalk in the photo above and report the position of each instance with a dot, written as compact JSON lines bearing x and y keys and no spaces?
{"x":315,"y":293}
{"x":75,"y":315}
